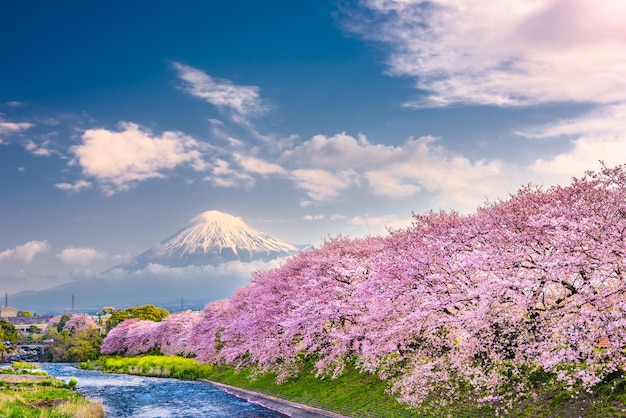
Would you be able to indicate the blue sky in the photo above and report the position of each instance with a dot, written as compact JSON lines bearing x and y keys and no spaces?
{"x":121,"y":121}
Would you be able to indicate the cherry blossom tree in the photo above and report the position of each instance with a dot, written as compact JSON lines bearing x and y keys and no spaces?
{"x":54,"y":321}
{"x":115,"y":341}
{"x":206,"y":340}
{"x":174,"y":333}
{"x":533,"y":281}
{"x":142,"y":336}
{"x":79,"y":322}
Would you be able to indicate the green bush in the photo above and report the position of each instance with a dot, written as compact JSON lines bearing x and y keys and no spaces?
{"x":72,"y":383}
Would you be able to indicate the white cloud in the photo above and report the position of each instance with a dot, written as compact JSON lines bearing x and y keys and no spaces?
{"x":242,"y":171}
{"x":82,"y":256}
{"x":13,"y":127}
{"x":340,"y":150}
{"x":597,"y":136}
{"x":38,"y":150}
{"x":76,"y":187}
{"x":332,"y":164}
{"x":119,"y":160}
{"x":231,"y":270}
{"x":313,"y":217}
{"x":322,"y":185}
{"x":379,"y":225}
{"x":604,"y":121}
{"x":25,"y":252}
{"x":505,"y":53}
{"x":256,"y":165}
{"x":384,"y":183}
{"x":223,"y":175}
{"x":242,"y":100}
{"x":380,"y":221}
{"x":586,"y":154}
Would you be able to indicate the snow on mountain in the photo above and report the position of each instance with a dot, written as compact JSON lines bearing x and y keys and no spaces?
{"x":213,"y":238}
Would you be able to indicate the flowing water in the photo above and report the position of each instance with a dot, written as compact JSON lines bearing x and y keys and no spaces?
{"x":148,"y":397}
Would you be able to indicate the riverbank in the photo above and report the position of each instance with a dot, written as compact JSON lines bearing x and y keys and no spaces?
{"x":355,"y":394}
{"x":27,"y":392}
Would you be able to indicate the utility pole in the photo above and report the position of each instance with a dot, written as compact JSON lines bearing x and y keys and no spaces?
{"x":72,"y":303}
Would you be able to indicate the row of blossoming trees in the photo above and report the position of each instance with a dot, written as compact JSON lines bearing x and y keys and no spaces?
{"x":529,"y":283}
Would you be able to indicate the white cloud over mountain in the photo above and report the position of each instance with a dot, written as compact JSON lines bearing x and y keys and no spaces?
{"x":81,"y":256}
{"x":25,"y":252}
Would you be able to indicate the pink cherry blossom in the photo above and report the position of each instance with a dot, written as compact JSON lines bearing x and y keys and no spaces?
{"x":530,"y":282}
{"x":79,"y":322}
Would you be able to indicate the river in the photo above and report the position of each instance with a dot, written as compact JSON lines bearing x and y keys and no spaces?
{"x":149,"y":397}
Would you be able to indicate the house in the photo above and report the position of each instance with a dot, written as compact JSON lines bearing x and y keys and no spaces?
{"x":25,"y":324}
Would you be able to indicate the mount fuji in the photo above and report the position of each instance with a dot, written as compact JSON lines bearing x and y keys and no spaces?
{"x":212,"y":238}
{"x":207,"y":260}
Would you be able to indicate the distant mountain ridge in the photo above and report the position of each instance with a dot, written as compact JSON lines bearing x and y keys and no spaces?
{"x":213,"y":238}
{"x":207,"y":260}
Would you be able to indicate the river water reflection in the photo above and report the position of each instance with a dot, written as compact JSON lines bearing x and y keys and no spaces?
{"x":148,"y":397}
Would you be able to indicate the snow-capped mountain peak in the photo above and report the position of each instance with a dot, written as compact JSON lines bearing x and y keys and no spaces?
{"x":212,"y":238}
{"x":217,"y":230}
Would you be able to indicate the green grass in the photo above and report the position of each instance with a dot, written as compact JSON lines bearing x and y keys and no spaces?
{"x":351,"y":394}
{"x":22,"y":367}
{"x":47,"y":398}
{"x":356,"y":394}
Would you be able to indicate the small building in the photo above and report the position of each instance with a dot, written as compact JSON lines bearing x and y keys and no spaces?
{"x":103,"y":316}
{"x":25,"y":324}
{"x":8,"y":312}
